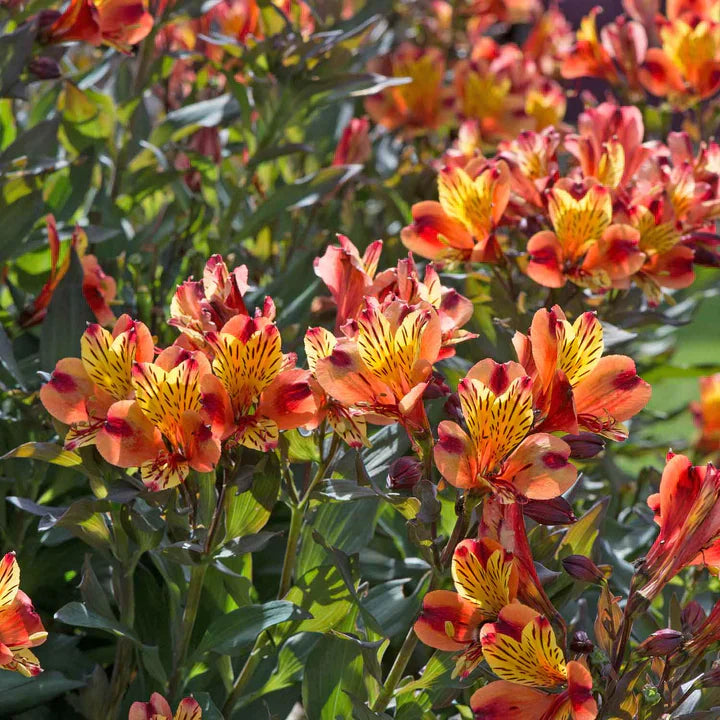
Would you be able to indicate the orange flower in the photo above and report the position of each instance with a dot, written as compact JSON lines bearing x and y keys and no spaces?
{"x":486,"y":580}
{"x":403,"y":283}
{"x":460,"y":226}
{"x":118,"y":23}
{"x":348,"y":276}
{"x":707,"y":414}
{"x":384,"y":370}
{"x":175,"y":423}
{"x":584,"y":246}
{"x":159,"y":709}
{"x":415,"y":107}
{"x":609,"y":143}
{"x":20,"y":626}
{"x":497,"y":454}
{"x":346,"y":422}
{"x":81,"y":390}
{"x":573,"y":385}
{"x":98,"y":288}
{"x":202,"y":306}
{"x":686,"y":69}
{"x":522,"y":650}
{"x":687,"y":508}
{"x":588,"y":57}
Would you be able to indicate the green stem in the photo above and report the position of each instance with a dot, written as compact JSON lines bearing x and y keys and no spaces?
{"x":296,"y":521}
{"x":396,"y":672}
{"x":197,"y":578}
{"x":244,"y":677}
{"x":123,"y":664}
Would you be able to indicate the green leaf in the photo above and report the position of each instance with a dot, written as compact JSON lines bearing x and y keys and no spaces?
{"x":45,"y":451}
{"x":20,"y":693}
{"x":206,"y":113}
{"x":67,"y":317}
{"x":79,"y":615}
{"x":7,"y":358}
{"x":246,"y":513}
{"x":436,"y":673}
{"x":84,"y":521}
{"x":230,"y":634}
{"x":580,"y":537}
{"x":334,"y":668}
{"x":323,"y":594}
{"x":15,"y":51}
{"x":306,"y":191}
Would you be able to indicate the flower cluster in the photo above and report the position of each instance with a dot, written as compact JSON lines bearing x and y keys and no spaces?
{"x":158,"y":708}
{"x":621,"y":212}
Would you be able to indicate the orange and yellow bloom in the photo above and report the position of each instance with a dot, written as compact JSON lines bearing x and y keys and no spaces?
{"x":574,"y":386}
{"x":521,"y":649}
{"x":498,"y":453}
{"x":486,"y":580}
{"x":707,"y":414}
{"x":20,"y":626}
{"x":460,"y":226}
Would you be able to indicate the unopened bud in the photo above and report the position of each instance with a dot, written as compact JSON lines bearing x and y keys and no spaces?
{"x":692,"y":617}
{"x":581,"y":643}
{"x":556,"y":511}
{"x":662,"y":643}
{"x":582,"y":568}
{"x":584,"y":445}
{"x":453,"y":408}
{"x":45,"y":68}
{"x":46,"y":18}
{"x":404,"y":473}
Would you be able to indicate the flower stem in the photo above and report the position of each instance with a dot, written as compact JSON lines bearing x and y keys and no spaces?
{"x":197,"y":578}
{"x":244,"y":677}
{"x":396,"y":672}
{"x":296,"y":521}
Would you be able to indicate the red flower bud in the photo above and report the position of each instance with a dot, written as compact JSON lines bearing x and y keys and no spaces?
{"x":404,"y":473}
{"x":45,"y":68}
{"x":582,"y":568}
{"x":584,"y":445}
{"x":661,"y":643}
{"x":550,"y":512}
{"x":581,"y":643}
{"x":692,"y":617}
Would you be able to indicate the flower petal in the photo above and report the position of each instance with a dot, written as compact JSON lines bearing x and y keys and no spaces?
{"x":447,"y":621}
{"x":455,"y":455}
{"x":502,"y":700}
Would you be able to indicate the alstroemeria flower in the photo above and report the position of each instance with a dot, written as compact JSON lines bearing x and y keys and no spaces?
{"x":176,"y":422}
{"x":384,"y":369}
{"x":687,"y":508}
{"x":20,"y":626}
{"x":707,"y":414}
{"x":347,"y":275}
{"x":497,"y":454}
{"x":159,"y":709}
{"x":416,"y":107}
{"x":460,"y":226}
{"x":267,"y":393}
{"x":202,"y":306}
{"x":522,"y":650}
{"x":575,"y":387}
{"x":486,"y":580}
{"x":347,"y":423}
{"x":588,"y":57}
{"x":686,"y":69}
{"x":404,"y":283}
{"x":81,"y":390}
{"x":584,"y":246}
{"x":98,"y":287}
{"x":118,"y":23}
{"x":608,"y":144}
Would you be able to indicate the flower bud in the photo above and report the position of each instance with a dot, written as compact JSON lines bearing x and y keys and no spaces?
{"x":556,"y":511}
{"x":354,"y":145}
{"x":692,"y":617}
{"x":584,"y":445}
{"x":581,"y":643}
{"x":45,"y":20}
{"x":712,"y":677}
{"x":404,"y":473}
{"x":582,"y":568}
{"x":661,"y":643}
{"x":45,"y":68}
